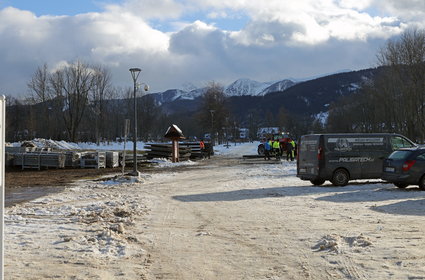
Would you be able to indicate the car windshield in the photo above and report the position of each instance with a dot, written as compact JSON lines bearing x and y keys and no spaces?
{"x":399,"y":155}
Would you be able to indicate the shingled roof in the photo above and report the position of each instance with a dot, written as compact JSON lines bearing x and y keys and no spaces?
{"x":174,"y":132}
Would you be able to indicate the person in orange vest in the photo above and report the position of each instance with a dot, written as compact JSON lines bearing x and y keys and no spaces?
{"x":202,"y":148}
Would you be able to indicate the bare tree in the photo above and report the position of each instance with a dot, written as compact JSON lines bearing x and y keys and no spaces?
{"x":282,"y":118}
{"x":405,"y":61}
{"x":149,"y":113}
{"x":117,"y":112}
{"x":39,"y":87}
{"x":72,"y":84}
{"x":213,"y":111}
{"x":394,"y":101}
{"x":100,"y":92}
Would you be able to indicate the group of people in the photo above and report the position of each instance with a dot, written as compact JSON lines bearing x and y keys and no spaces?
{"x":276,"y":148}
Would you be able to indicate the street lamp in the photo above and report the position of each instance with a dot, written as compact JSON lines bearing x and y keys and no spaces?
{"x":135,"y":74}
{"x":212,"y":128}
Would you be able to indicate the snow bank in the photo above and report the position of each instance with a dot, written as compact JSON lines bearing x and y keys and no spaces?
{"x":48,"y":143}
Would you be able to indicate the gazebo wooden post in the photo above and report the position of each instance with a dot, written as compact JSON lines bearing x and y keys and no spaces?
{"x":175,"y":154}
{"x":174,"y":134}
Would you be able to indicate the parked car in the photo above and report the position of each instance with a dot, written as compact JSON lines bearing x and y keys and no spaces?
{"x":405,"y":167}
{"x":344,"y":157}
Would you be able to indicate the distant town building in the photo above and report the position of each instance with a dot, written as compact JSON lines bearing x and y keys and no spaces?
{"x":243,"y":133}
{"x":262,"y":131}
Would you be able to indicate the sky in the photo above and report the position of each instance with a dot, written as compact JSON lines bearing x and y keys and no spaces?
{"x":185,"y":44}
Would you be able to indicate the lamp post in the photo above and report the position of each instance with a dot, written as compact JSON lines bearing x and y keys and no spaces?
{"x":227,"y":133}
{"x":212,"y":128}
{"x":135,"y":74}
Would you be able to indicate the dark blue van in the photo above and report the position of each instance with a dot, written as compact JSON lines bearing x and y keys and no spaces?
{"x":342,"y":157}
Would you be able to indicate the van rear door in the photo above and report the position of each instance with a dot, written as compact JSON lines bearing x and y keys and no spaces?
{"x":308,"y":161}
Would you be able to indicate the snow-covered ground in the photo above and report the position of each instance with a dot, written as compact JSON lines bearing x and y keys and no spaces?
{"x":219,"y":218}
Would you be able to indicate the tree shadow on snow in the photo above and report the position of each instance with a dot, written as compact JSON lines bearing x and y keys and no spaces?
{"x":408,"y":207}
{"x":244,"y":194}
{"x":356,"y":192}
{"x":374,"y":193}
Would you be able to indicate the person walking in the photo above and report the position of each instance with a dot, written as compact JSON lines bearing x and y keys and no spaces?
{"x":290,"y":146}
{"x":276,"y":148}
{"x":294,"y":148}
{"x":202,"y":148}
{"x":267,"y":149}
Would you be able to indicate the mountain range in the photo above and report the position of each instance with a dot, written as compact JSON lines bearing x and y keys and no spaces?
{"x":309,"y":98}
{"x":240,"y":87}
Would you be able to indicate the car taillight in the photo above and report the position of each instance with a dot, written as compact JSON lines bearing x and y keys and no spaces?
{"x":408,"y":164}
{"x":320,"y":153}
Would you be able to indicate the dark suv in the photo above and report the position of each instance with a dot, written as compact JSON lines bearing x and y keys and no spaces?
{"x":405,"y":167}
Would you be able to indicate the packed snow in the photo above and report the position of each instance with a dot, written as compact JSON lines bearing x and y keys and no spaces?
{"x":219,"y":218}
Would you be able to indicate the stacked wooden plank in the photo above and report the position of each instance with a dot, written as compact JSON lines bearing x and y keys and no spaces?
{"x":165,"y":151}
{"x":129,"y":157}
{"x":187,"y":150}
{"x":195,"y":148}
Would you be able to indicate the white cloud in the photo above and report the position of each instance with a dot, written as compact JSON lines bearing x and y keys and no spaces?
{"x":355,"y":4}
{"x":280,"y":39}
{"x":408,"y":10}
{"x":149,"y":9}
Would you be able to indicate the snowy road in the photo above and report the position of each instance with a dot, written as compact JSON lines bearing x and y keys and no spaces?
{"x":224,"y":218}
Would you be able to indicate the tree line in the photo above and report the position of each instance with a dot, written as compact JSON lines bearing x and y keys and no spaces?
{"x":394,"y":100}
{"x":79,"y":103}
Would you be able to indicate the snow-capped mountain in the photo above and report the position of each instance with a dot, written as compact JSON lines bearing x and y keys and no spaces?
{"x":246,"y":87}
{"x":172,"y":95}
{"x":169,"y":95}
{"x":241,"y":87}
{"x":308,"y":98}
{"x":278,"y":86}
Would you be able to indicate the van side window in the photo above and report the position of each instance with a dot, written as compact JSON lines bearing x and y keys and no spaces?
{"x":398,"y":142}
{"x":309,"y":146}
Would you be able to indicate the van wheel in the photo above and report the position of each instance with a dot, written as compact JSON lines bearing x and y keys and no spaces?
{"x":340,"y":178}
{"x":317,"y":182}
{"x":401,"y":185}
{"x":422,"y":183}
